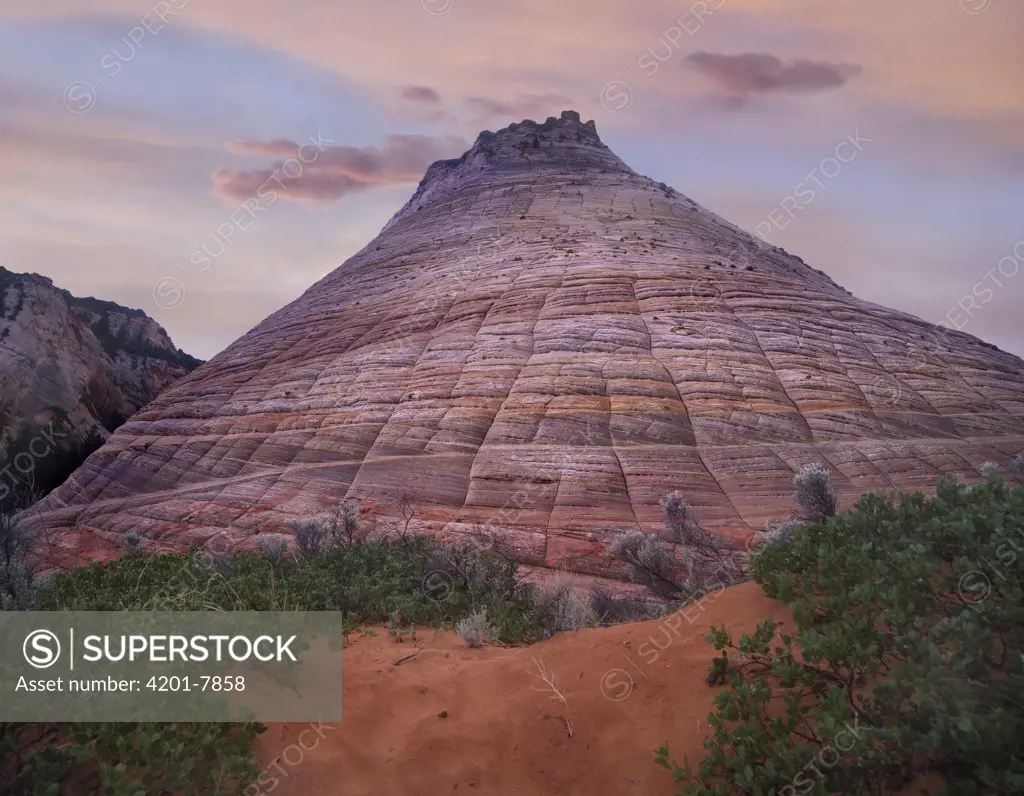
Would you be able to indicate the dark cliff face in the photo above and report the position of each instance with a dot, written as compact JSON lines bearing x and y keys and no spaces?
{"x":71,"y":371}
{"x":542,"y":344}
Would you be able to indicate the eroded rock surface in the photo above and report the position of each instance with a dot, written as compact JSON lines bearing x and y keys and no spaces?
{"x":71,"y":370}
{"x":544,"y":343}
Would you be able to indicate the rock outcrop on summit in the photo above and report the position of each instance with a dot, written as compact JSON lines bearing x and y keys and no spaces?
{"x":541,"y":345}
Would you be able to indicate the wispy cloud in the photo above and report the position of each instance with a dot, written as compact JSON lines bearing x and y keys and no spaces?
{"x":746,"y":74}
{"x":336,"y":171}
{"x":424,"y":94}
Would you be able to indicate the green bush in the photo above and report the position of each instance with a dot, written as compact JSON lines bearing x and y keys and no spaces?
{"x":907,"y":660}
{"x":412,"y":580}
{"x":427,"y":582}
{"x":126,"y":759}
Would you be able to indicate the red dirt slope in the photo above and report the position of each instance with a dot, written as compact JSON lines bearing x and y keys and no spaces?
{"x":504,"y":732}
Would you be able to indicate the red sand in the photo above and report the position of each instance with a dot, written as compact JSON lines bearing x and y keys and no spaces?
{"x":503,"y":733}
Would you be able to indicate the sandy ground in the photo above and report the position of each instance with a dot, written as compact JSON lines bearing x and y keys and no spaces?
{"x":627,"y":689}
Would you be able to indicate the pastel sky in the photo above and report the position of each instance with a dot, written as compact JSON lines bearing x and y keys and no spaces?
{"x":131,"y":130}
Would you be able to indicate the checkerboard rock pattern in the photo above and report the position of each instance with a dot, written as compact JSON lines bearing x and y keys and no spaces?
{"x":540,"y":345}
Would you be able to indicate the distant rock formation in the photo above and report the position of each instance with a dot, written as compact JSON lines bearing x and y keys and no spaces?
{"x":540,"y":346}
{"x":71,"y":371}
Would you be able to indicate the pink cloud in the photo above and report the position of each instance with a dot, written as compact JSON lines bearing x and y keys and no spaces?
{"x":762,"y":73}
{"x":424,"y":94}
{"x":308,"y":173}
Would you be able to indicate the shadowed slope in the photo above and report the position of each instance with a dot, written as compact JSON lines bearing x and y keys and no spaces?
{"x":72,"y":369}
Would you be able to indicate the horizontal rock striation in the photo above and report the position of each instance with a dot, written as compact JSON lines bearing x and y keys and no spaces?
{"x":541,"y":345}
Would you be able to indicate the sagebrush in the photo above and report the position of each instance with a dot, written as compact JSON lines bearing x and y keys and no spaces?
{"x":815,"y":493}
{"x":475,"y":629}
{"x":990,"y":470}
{"x":694,"y":561}
{"x":560,"y":606}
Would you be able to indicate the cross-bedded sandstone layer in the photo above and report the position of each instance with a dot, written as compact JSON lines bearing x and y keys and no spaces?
{"x":544,"y":343}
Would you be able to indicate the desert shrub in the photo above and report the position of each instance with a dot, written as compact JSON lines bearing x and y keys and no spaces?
{"x":815,"y":493}
{"x":649,"y":562}
{"x":907,"y":660}
{"x":990,"y":470}
{"x":310,"y":536}
{"x":343,"y":523}
{"x":126,"y":759}
{"x":679,"y":517}
{"x":709,"y":559}
{"x":112,"y":758}
{"x":368,"y":580}
{"x":779,"y":532}
{"x":1018,"y":464}
{"x":273,"y":546}
{"x":474,"y":629}
{"x":471,"y":568}
{"x":706,"y":561}
{"x":338,"y":527}
{"x":609,"y":609}
{"x":131,"y":542}
{"x":560,"y":607}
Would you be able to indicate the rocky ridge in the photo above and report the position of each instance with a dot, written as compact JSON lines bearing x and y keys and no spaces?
{"x":74,"y":369}
{"x":540,"y":345}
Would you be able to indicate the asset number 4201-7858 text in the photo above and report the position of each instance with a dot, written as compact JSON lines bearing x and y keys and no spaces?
{"x":200,"y":683}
